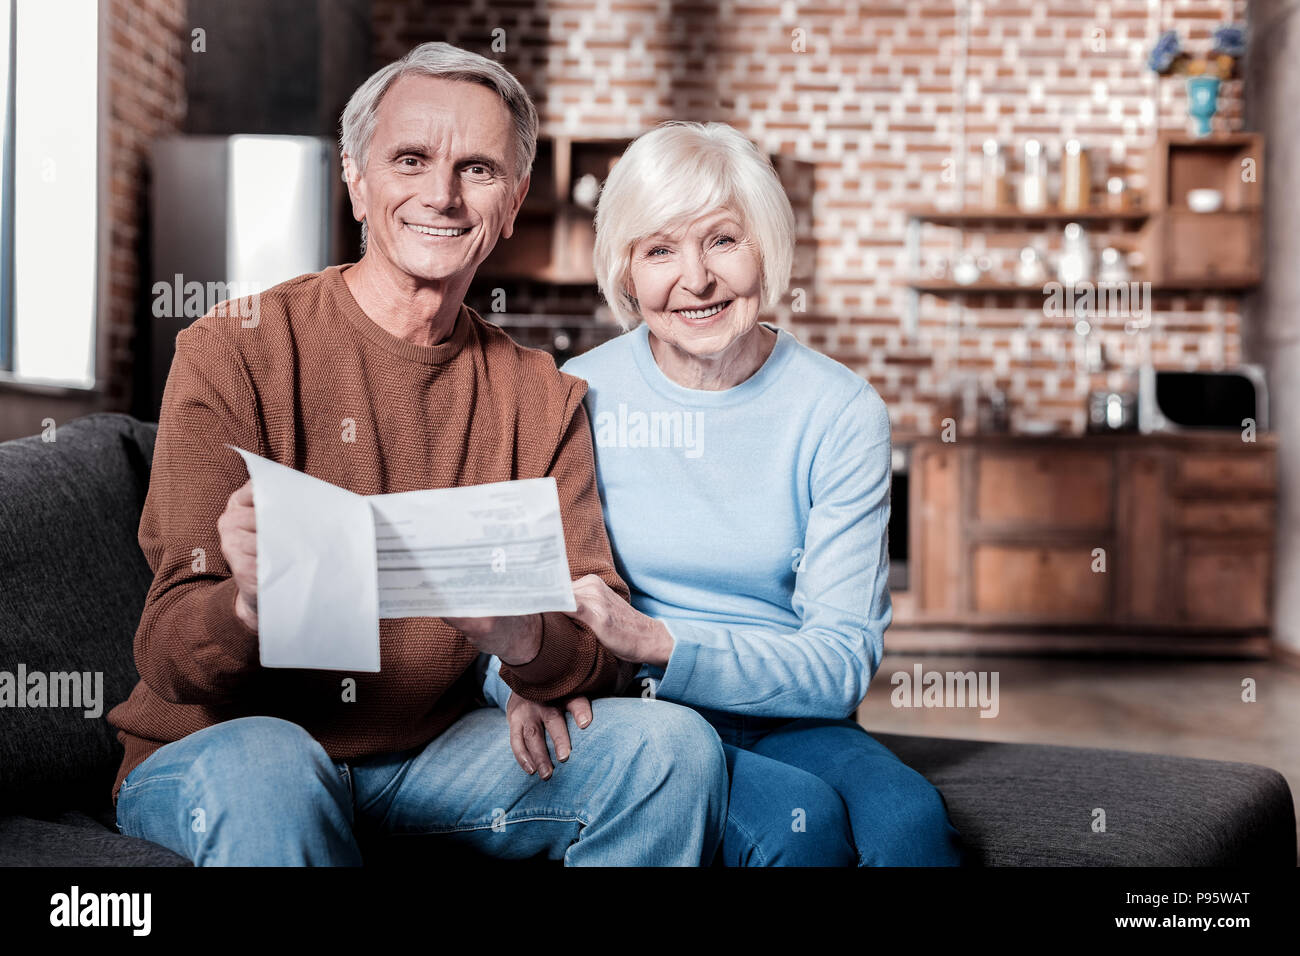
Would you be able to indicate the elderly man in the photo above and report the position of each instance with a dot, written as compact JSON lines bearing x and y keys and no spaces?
{"x":376,"y":377}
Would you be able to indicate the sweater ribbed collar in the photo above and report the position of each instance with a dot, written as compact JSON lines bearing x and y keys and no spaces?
{"x":767,"y":373}
{"x":438,"y":354}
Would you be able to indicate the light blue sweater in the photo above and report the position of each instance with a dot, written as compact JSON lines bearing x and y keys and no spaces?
{"x":752,"y":521}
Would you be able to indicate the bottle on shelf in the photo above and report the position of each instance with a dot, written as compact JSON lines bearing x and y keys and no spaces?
{"x":993,"y":176}
{"x":1117,"y":198}
{"x":1075,"y":264}
{"x":1033,"y":182}
{"x":1076,"y":178}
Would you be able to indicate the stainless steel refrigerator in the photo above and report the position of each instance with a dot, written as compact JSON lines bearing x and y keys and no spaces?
{"x":231,"y":216}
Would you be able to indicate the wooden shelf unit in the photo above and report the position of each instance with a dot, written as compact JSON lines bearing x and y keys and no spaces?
{"x":1183,"y":250}
{"x":1012,"y":216}
{"x":1215,"y":248}
{"x":949,"y":287}
{"x":554,"y":235}
{"x":1003,"y":220}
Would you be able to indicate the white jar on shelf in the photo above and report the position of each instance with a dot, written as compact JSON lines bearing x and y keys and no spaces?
{"x":1075,"y":264}
{"x":1033,"y":182}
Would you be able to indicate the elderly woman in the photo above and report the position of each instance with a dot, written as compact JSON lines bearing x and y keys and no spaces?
{"x":745,"y":485}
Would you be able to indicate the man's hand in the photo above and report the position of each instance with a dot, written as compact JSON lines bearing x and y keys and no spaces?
{"x":626,"y":633}
{"x":516,"y":640}
{"x":237,"y":528}
{"x":529,"y":724}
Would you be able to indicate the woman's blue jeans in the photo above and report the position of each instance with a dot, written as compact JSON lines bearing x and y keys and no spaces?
{"x":813,"y":792}
{"x":645,"y":784}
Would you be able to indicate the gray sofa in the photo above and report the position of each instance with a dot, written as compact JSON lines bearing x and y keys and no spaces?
{"x":73,"y":583}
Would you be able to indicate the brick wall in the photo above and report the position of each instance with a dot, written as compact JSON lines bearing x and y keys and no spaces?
{"x":891,"y":102}
{"x":147,"y":43}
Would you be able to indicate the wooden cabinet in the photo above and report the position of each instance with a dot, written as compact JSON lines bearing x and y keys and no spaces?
{"x":1210,"y":250}
{"x":1038,"y":583}
{"x":1204,"y":249}
{"x":1129,"y":533}
{"x":1039,"y":488}
{"x":1221,"y":584}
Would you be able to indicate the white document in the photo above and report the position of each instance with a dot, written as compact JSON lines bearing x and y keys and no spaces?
{"x":474,"y":551}
{"x":316,"y":600}
{"x":331,"y":563}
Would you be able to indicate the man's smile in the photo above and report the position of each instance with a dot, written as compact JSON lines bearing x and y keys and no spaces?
{"x":446,"y":232}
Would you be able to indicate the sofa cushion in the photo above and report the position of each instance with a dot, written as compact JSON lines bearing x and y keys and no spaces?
{"x":1032,"y":805}
{"x":74,"y":584}
{"x":28,"y":842}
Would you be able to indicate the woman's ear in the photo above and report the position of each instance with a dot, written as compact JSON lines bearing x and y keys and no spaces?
{"x":625,"y":284}
{"x":630,"y":301}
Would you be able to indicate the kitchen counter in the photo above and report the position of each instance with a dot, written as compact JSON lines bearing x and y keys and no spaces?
{"x":1168,"y":532}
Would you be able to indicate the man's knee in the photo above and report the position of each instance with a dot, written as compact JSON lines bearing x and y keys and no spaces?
{"x":261,"y":743}
{"x":253,"y":759}
{"x":669,"y":740}
{"x":275,"y":797}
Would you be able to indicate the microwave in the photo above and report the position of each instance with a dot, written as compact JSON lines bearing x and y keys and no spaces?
{"x":1177,"y":401}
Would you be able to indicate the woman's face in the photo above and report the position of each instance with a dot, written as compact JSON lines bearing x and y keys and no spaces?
{"x":699,"y":286}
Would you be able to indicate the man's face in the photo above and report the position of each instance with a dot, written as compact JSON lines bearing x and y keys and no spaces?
{"x":438,"y":189}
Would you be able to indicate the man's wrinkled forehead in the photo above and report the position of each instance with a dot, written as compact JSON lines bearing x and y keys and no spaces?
{"x":433,"y":116}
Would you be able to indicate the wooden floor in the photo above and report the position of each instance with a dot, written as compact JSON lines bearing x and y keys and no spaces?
{"x":1188,"y":708}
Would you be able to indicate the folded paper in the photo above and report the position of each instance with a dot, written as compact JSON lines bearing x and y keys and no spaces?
{"x":331,"y":563}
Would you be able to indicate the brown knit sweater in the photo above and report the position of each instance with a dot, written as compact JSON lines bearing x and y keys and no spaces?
{"x":316,"y":385}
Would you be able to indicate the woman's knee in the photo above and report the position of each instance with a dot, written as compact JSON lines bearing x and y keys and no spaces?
{"x":908,"y":825}
{"x":780,"y":815}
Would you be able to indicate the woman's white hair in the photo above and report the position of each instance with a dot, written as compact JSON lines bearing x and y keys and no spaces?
{"x":439,"y":59}
{"x":676,"y":173}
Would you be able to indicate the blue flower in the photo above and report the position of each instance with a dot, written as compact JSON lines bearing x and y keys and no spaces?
{"x":1165,"y":52}
{"x":1229,"y":40}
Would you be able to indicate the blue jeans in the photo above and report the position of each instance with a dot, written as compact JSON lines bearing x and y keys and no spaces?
{"x":813,"y":792}
{"x":645,"y":785}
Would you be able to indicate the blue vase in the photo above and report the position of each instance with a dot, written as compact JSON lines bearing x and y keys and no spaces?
{"x":1202,"y":101}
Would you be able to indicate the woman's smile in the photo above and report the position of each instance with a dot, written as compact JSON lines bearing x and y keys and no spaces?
{"x":703,"y":316}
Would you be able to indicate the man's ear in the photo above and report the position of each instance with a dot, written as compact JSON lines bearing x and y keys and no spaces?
{"x":353,"y":178}
{"x":508,"y":229}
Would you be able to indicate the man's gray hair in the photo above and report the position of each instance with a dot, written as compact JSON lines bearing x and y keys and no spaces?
{"x":451,"y":63}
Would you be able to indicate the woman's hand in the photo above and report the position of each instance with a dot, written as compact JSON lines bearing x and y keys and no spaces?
{"x":627,"y":633}
{"x":529,"y":724}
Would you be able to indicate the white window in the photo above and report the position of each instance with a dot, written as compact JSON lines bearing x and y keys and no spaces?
{"x":49,"y":275}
